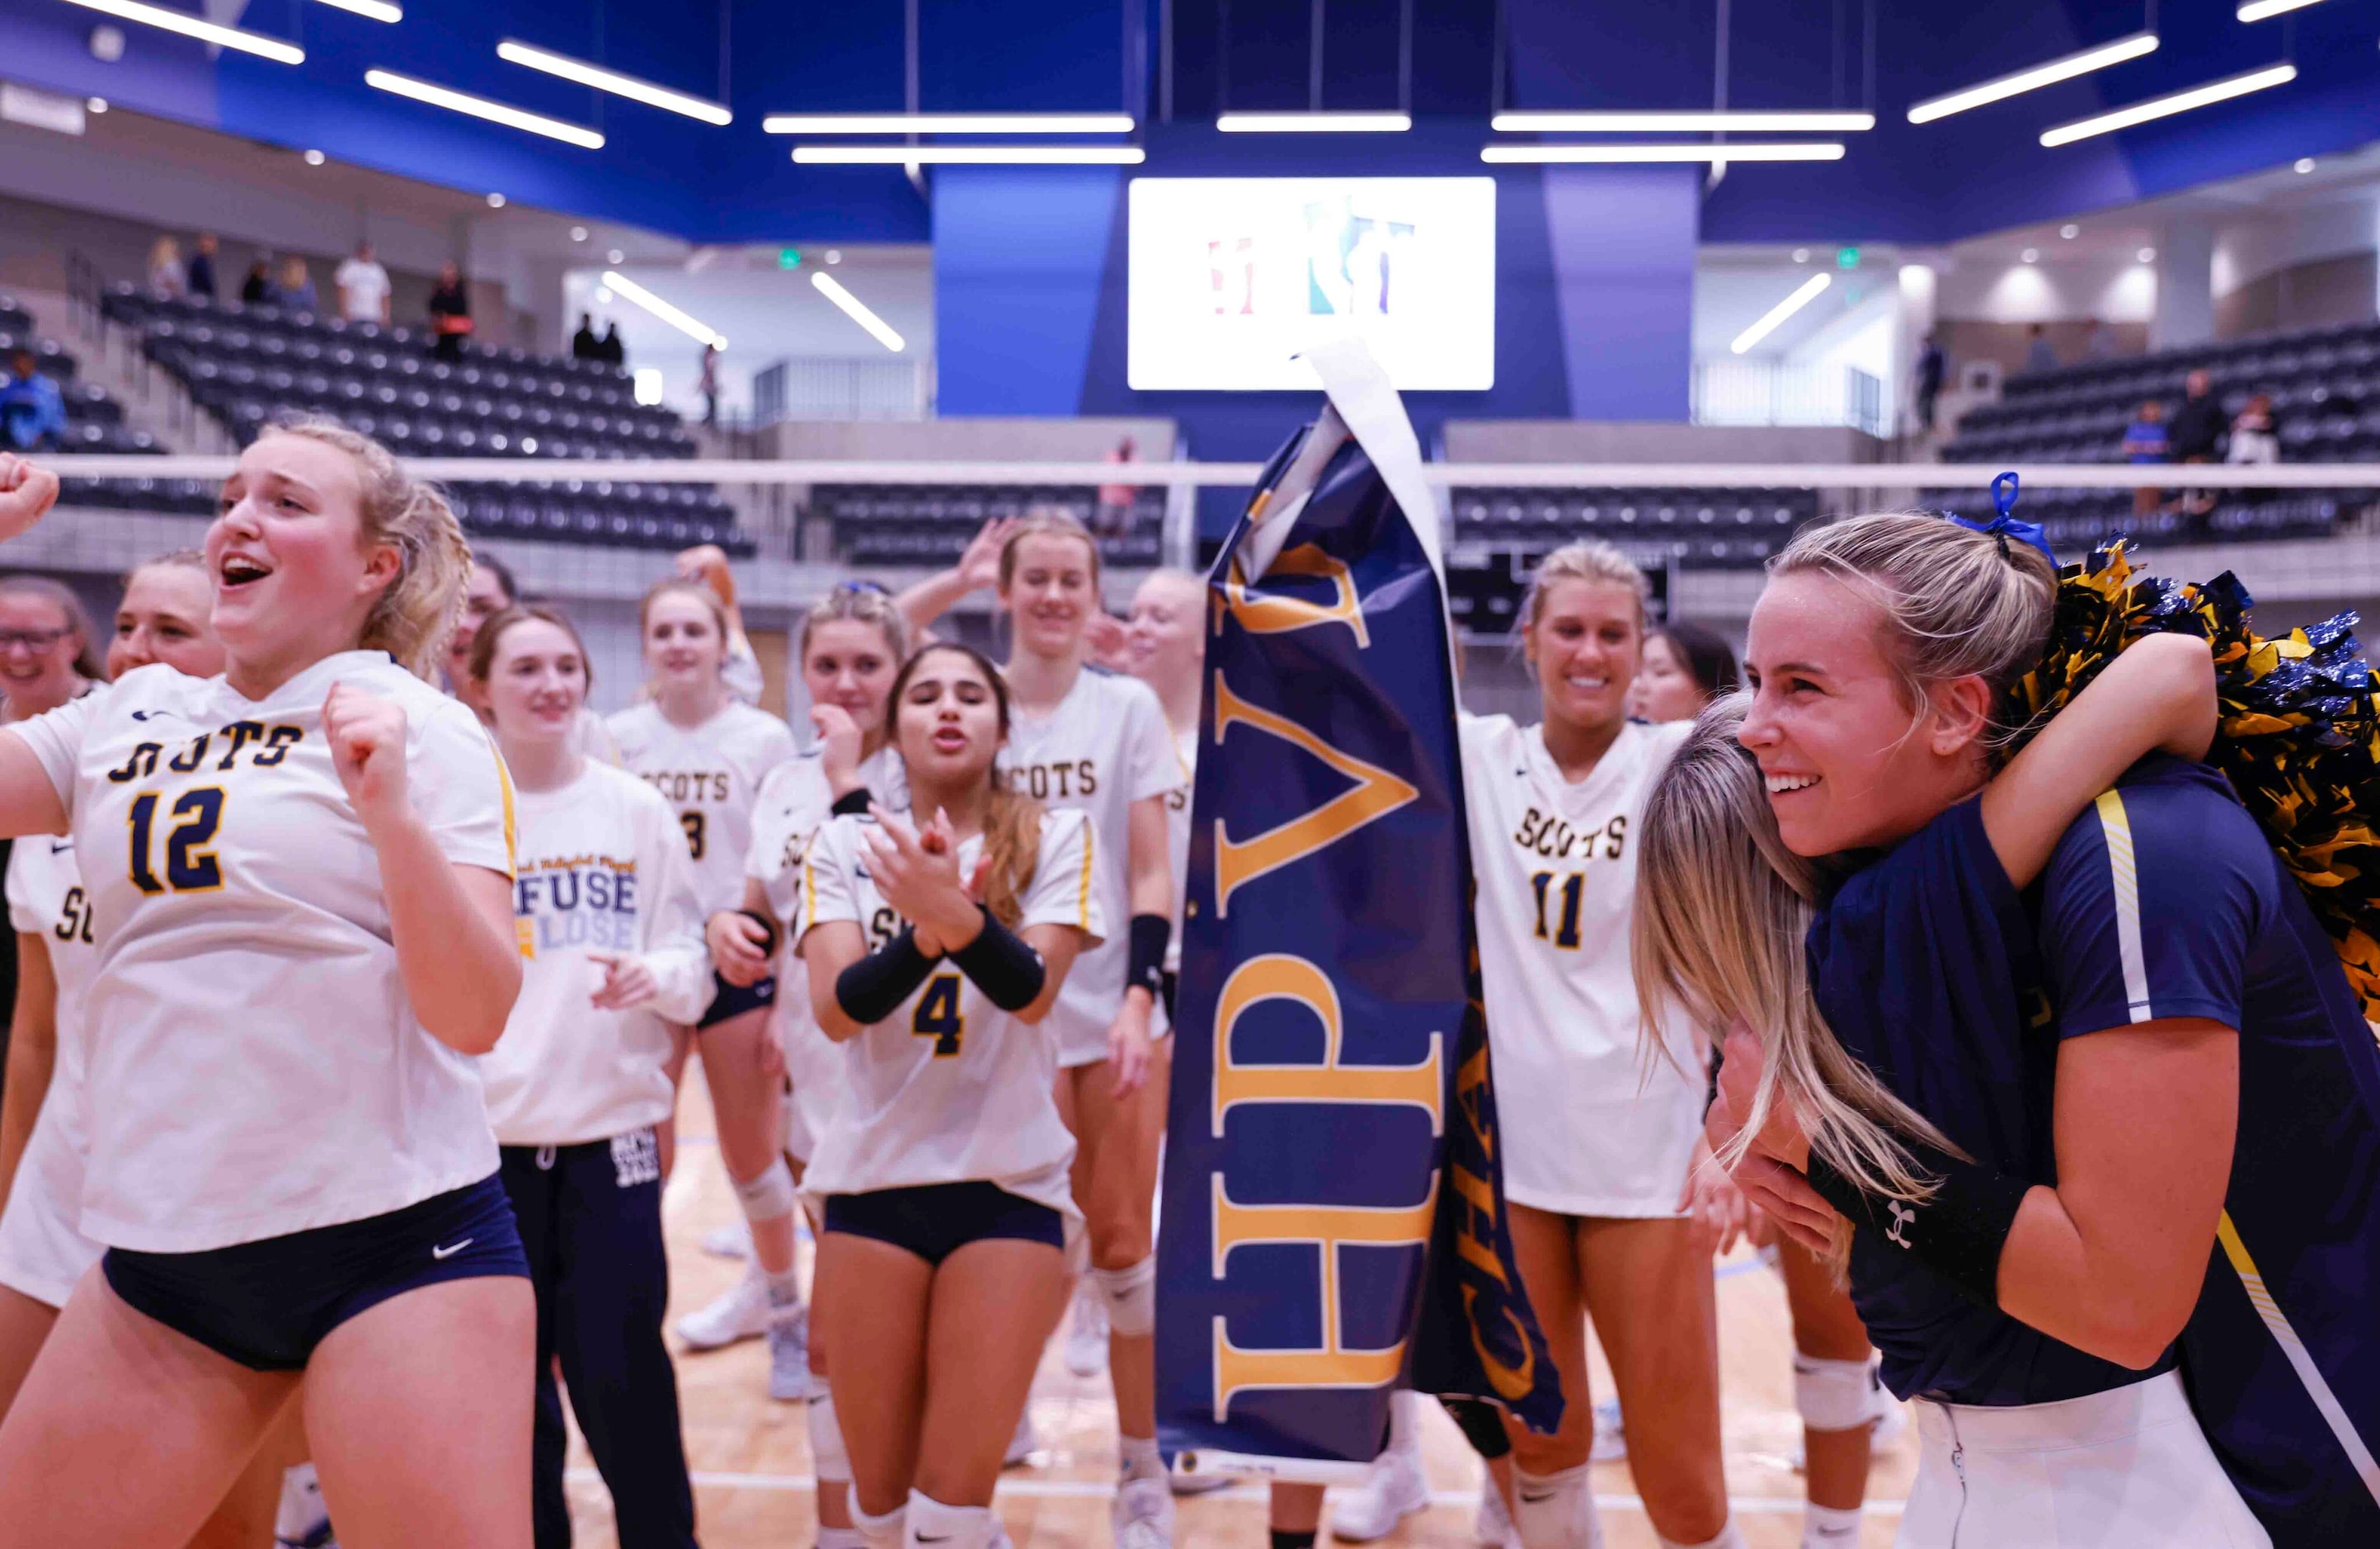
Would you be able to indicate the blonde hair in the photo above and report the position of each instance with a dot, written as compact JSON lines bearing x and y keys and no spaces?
{"x":1956,"y":602}
{"x":1722,"y":907}
{"x":412,"y":617}
{"x":1046,"y":521}
{"x":856,"y":604}
{"x":1589,"y":559}
{"x":682,"y":586}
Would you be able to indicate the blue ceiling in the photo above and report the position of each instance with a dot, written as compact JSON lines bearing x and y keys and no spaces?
{"x":1976,"y":172}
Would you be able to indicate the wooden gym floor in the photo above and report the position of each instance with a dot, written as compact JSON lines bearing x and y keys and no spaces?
{"x":751,"y":1457}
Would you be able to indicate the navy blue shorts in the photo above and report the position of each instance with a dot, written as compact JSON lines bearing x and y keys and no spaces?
{"x":935,"y":1220}
{"x":267,"y":1304}
{"x":733,"y":1000}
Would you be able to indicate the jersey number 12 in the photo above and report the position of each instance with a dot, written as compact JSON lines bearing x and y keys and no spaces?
{"x":190,"y":867}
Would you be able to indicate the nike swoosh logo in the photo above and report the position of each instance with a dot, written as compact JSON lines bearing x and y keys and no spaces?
{"x":450,"y":1253}
{"x":1527,"y":1499}
{"x":145,"y":715}
{"x":926,"y":1538}
{"x":60,"y":846}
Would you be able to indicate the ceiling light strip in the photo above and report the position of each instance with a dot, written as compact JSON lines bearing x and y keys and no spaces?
{"x":692,"y":328}
{"x":2064,"y":69}
{"x":1747,"y":121}
{"x":947,"y":123}
{"x":1807,"y":293}
{"x":195,"y":27}
{"x":517,"y":53}
{"x":379,"y":11}
{"x":2257,"y":10}
{"x":969,"y":155}
{"x":1314,"y":123}
{"x":857,"y":310}
{"x":1771,"y":152}
{"x":479,"y":107}
{"x":2166,"y":107}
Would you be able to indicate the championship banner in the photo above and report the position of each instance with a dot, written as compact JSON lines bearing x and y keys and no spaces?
{"x":1333,"y":1224}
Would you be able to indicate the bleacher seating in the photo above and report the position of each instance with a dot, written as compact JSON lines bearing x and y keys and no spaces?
{"x":929,"y":525}
{"x":246,"y":365}
{"x":2325,"y":384}
{"x":94,"y":420}
{"x":1704,"y":528}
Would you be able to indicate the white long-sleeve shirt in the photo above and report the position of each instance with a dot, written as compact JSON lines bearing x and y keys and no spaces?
{"x":603,"y":868}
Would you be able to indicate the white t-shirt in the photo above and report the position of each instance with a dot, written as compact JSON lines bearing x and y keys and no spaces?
{"x":1592,"y":1123}
{"x":710,"y":774}
{"x":363,"y":285}
{"x":795,"y":802}
{"x":949,"y":1089}
{"x":1105,"y":747}
{"x":46,"y":899}
{"x":254,"y":1066}
{"x":603,"y":868}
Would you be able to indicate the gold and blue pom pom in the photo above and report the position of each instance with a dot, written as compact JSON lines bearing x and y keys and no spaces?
{"x":2298,"y":735}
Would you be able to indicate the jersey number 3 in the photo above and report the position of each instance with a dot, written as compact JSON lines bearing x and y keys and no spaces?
{"x":190,"y":867}
{"x":693,"y":824}
{"x":937,"y":1016}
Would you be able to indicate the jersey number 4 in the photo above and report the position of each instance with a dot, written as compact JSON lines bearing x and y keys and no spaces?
{"x":937,"y":1016}
{"x":1574,"y":888}
{"x":693,"y":824}
{"x":190,"y":866}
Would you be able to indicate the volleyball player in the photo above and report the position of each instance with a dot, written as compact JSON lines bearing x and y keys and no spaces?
{"x":1686,"y":665}
{"x":1165,"y":647}
{"x":301,"y":874}
{"x":706,"y":755}
{"x":611,"y":926}
{"x":491,"y":590}
{"x":852,"y":644}
{"x":944,"y":1172}
{"x":48,"y":654}
{"x":1597,"y":1141}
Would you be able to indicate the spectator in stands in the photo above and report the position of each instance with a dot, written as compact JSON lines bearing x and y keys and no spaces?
{"x":709,"y":384}
{"x":2196,"y":428}
{"x":2038,"y":356}
{"x":1114,"y":516}
{"x":613,"y":350}
{"x":1931,"y":365}
{"x":32,"y":411}
{"x":2253,"y":439}
{"x":584,"y":345}
{"x":363,"y":287}
{"x":294,"y":290}
{"x":450,"y":311}
{"x":201,"y":280}
{"x":257,"y":289}
{"x":166,"y":273}
{"x":2145,"y":442}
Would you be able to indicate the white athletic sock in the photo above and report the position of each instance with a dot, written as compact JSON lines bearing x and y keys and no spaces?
{"x":1556,"y":1510}
{"x":301,"y":1509}
{"x":1730,"y":1537}
{"x":1139,"y":1459}
{"x":933,"y":1525}
{"x":1404,"y":1421}
{"x":839,"y":1538}
{"x":1827,"y":1527}
{"x":784,"y":1289}
{"x":879,"y":1532}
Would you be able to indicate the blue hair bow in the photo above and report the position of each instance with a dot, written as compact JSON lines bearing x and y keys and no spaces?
{"x":2006,"y":525}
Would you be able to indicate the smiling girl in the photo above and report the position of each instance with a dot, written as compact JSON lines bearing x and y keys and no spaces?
{"x":300,"y":873}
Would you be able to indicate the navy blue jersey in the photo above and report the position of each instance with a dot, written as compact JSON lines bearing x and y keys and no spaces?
{"x":1924,"y":964}
{"x":2166,"y":901}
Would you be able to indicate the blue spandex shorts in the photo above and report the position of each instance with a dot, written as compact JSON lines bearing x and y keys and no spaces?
{"x":935,"y":1220}
{"x":267,"y":1304}
{"x":733,"y":1000}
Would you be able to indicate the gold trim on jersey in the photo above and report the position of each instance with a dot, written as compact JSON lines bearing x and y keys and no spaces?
{"x":2300,"y":1359}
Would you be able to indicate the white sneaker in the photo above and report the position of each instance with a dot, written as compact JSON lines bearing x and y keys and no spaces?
{"x":1143,"y":1515}
{"x":1022,"y":1444}
{"x":742,"y":1314}
{"x":731,"y":1241}
{"x":1392,"y":1492}
{"x":1087,"y":1335}
{"x":302,"y":1521}
{"x":1491,"y":1525}
{"x":789,"y":1354}
{"x":1611,"y":1434}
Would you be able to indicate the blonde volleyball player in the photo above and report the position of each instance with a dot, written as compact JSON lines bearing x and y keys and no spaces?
{"x":945,"y":1173}
{"x":1165,"y":647}
{"x":490,"y":590}
{"x":852,"y":644}
{"x":1597,"y":1141}
{"x":301,"y":874}
{"x":706,"y":755}
{"x":611,"y":926}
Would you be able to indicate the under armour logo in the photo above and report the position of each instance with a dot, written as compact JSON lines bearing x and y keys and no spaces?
{"x":1901,"y":1216}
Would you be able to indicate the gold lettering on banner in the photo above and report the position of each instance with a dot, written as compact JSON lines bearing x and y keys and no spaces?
{"x":1269,"y":615}
{"x":1374,"y":795}
{"x":1278,"y":976}
{"x":1327,"y":1228}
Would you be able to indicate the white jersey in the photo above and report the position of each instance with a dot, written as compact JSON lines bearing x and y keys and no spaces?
{"x":603,"y":868}
{"x":1591,"y":1125}
{"x":1177,"y":837}
{"x":42,"y":1252}
{"x":1105,"y":747}
{"x":710,"y":774}
{"x":949,"y":1089}
{"x":254,"y":1066}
